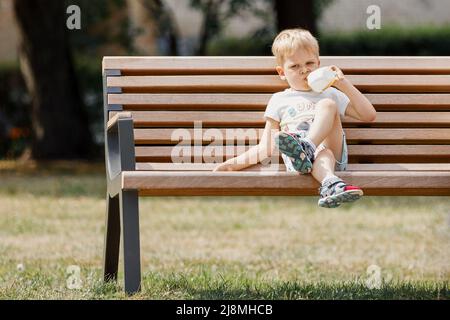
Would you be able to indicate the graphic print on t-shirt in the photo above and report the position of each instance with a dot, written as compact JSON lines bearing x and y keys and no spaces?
{"x":298,"y":116}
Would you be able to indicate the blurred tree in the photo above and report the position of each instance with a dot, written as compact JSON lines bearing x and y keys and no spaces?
{"x":59,"y":123}
{"x":294,"y":13}
{"x":210,"y":24}
{"x":299,"y":13}
{"x":215,"y":15}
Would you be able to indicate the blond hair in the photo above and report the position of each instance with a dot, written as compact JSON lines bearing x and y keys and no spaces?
{"x":290,"y":40}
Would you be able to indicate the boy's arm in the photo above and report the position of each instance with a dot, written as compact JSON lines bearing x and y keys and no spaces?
{"x":255,"y":154}
{"x":359,"y":106}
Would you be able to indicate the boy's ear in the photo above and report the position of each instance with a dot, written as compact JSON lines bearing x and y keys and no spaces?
{"x":281,"y":72}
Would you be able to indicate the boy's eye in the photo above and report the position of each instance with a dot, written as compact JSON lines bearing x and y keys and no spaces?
{"x":294,"y":66}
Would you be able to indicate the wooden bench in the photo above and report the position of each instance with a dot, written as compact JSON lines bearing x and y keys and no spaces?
{"x":405,"y":152}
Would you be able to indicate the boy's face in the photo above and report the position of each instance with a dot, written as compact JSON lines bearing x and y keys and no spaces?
{"x":297,"y":67}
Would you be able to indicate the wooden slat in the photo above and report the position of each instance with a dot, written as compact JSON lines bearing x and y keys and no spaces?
{"x":268,"y":83}
{"x":357,"y":153}
{"x":256,"y":119}
{"x":282,"y":183}
{"x":188,"y":118}
{"x":399,"y":153}
{"x":191,"y":136}
{"x":398,"y":167}
{"x":400,"y":150}
{"x":266,"y":65}
{"x":191,"y":65}
{"x":245,"y":135}
{"x":158,"y":166}
{"x":221,"y":84}
{"x":161,"y":166}
{"x":258,"y":101}
{"x":426,"y":101}
{"x":398,"y":136}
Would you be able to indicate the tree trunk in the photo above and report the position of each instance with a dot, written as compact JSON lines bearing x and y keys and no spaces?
{"x":59,"y":122}
{"x":210,"y":25}
{"x":294,"y":14}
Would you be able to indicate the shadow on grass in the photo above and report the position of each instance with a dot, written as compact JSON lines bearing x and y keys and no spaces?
{"x":295,"y":291}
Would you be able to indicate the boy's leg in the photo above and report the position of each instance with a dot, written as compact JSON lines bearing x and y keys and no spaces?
{"x":327,"y":127}
{"x":323,"y":166}
{"x":333,"y":190}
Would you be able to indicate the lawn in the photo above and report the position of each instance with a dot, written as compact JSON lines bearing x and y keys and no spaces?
{"x":52,"y":223}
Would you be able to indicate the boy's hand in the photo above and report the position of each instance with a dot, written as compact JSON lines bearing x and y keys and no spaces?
{"x":341,"y":77}
{"x":225,"y":166}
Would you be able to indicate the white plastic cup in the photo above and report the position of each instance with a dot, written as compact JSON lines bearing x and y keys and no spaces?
{"x":321,"y":79}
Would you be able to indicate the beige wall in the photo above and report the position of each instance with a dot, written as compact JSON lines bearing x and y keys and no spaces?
{"x":8,"y":32}
{"x":400,"y":12}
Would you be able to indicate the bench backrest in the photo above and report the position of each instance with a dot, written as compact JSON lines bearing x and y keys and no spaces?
{"x":411,"y":95}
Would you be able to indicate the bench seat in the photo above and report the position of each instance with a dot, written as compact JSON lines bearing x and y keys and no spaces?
{"x":204,"y":183}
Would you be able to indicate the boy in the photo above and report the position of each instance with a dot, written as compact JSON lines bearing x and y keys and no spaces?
{"x":311,"y":137}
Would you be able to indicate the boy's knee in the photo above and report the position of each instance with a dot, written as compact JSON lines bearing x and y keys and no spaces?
{"x":327,"y":104}
{"x":325,"y":152}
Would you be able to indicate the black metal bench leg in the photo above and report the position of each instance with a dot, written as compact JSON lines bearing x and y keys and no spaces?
{"x":112,"y":239}
{"x":129,"y":214}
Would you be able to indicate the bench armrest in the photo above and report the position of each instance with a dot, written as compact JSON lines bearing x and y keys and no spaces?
{"x":114,"y":120}
{"x":119,"y":146}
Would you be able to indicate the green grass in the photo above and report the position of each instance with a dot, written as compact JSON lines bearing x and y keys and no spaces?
{"x":221,"y":248}
{"x":204,"y":282}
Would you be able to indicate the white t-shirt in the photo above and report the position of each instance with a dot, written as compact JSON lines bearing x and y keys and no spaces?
{"x":295,"y":110}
